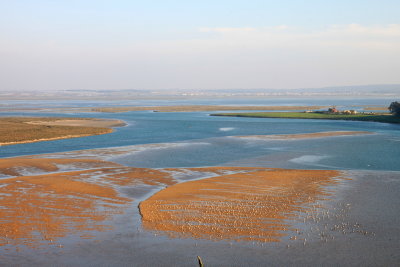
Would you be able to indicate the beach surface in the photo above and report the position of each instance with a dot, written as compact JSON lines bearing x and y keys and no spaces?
{"x":80,"y":207}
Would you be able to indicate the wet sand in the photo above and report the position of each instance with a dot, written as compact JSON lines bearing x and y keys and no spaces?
{"x":50,"y":201}
{"x":39,"y":210}
{"x":265,"y":198}
{"x":76,"y":210}
{"x":306,"y":135}
{"x":21,"y":165}
{"x":256,"y":205}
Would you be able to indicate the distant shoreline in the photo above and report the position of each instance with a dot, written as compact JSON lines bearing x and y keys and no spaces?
{"x":51,"y":139}
{"x":194,"y":108}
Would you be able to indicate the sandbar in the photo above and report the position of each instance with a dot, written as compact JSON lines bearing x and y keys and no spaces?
{"x":19,"y":130}
{"x":81,"y":122}
{"x":194,"y":108}
{"x":256,"y":205}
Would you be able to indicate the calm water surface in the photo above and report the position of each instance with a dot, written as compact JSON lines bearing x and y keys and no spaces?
{"x":207,"y":141}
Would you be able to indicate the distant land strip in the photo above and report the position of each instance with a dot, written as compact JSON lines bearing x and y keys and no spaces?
{"x":194,"y":108}
{"x":378,"y":108}
{"x":387,"y":118}
{"x":19,"y":130}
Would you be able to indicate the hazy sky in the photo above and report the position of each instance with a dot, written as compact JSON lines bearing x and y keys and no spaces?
{"x":122,"y":44}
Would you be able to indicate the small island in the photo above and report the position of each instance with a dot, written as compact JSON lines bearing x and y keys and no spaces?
{"x":18,"y":130}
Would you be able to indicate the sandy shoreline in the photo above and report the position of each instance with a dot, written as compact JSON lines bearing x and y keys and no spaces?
{"x":51,"y":139}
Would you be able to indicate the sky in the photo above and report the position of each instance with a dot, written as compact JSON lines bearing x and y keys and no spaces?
{"x":163,"y":44}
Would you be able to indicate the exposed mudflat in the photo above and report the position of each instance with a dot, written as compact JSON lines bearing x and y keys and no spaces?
{"x":75,"y":209}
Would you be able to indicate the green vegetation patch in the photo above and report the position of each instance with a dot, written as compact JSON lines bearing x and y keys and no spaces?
{"x":314,"y":115}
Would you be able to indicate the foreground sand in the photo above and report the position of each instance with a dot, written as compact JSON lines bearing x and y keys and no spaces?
{"x":19,"y":130}
{"x":65,"y":196}
{"x":253,"y":205}
{"x":77,"y":208}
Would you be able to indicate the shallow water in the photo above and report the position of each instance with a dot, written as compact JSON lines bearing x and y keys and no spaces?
{"x":197,"y":139}
{"x":206,"y":141}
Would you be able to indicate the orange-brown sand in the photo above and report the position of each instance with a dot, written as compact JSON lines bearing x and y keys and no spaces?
{"x":17,"y":166}
{"x":251,"y":206}
{"x":39,"y":209}
{"x":306,"y":135}
{"x":238,"y":203}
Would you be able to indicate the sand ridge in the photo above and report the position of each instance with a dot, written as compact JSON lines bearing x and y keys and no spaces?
{"x":252,"y":206}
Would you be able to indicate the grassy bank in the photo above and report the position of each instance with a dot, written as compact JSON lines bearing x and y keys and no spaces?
{"x":301,"y":115}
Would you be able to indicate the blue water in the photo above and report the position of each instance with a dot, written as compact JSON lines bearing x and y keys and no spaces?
{"x":207,"y":140}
